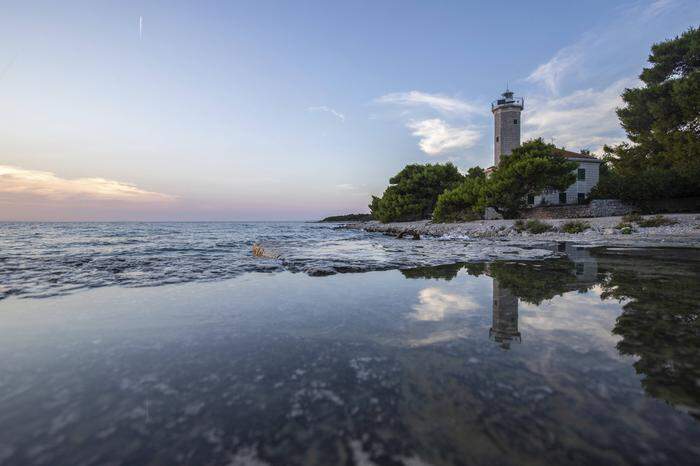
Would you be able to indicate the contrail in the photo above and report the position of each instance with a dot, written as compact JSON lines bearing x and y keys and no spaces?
{"x":140,"y":27}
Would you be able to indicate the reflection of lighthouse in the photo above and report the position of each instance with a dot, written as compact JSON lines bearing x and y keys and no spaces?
{"x":504,"y":328}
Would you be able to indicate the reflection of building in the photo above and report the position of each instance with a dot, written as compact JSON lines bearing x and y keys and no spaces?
{"x":504,"y":327}
{"x":585,"y":265}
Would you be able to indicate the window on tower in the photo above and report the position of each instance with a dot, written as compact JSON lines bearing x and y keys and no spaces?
{"x":515,"y":122}
{"x":496,"y":138}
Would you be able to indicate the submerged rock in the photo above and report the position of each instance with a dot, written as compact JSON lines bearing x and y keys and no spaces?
{"x":259,"y":251}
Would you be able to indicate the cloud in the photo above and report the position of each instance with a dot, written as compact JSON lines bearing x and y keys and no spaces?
{"x":323,"y":108}
{"x":46,"y":185}
{"x":551,"y":73}
{"x":346,"y":187}
{"x":437,"y":102}
{"x":436,"y":304}
{"x":437,"y":136}
{"x":582,"y":119}
{"x":617,"y":46}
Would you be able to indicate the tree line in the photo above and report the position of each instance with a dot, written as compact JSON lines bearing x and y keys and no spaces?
{"x":660,"y":161}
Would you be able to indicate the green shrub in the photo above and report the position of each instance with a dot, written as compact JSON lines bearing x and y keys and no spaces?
{"x":626,"y":231}
{"x":575,"y":226}
{"x":459,"y":204}
{"x":632,"y":217}
{"x":623,"y":225}
{"x":413,"y":192}
{"x":656,"y":221}
{"x":532,"y":226}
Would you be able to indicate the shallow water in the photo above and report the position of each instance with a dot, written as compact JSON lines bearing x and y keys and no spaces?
{"x":589,"y":359}
{"x":47,"y":259}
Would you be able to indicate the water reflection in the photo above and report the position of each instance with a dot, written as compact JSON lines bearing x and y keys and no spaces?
{"x":660,"y":322}
{"x":505,"y":316}
{"x":366,"y":368}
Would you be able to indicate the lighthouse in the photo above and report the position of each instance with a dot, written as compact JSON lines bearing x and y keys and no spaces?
{"x":506,"y":115}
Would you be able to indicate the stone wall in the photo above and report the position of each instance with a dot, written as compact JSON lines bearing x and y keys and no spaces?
{"x":596,"y":208}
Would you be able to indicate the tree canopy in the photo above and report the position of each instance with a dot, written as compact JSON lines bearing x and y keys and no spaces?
{"x":662,"y":121}
{"x":459,"y":203}
{"x":413,"y":192}
{"x":529,"y":170}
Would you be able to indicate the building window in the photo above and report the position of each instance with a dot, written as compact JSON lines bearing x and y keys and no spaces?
{"x":581,"y":198}
{"x":580,"y":268}
{"x":581,"y":174}
{"x":515,"y":122}
{"x":530,"y":199}
{"x":562,"y":198}
{"x":496,"y":138}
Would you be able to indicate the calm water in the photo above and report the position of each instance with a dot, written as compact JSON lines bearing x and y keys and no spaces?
{"x":592,"y":358}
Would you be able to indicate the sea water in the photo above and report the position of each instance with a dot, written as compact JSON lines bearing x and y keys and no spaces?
{"x":588,"y":357}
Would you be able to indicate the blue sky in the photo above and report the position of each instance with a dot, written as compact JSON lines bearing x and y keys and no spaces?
{"x":291,"y":110}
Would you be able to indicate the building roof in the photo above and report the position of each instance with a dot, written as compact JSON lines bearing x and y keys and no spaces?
{"x":564,"y":153}
{"x":575,"y":155}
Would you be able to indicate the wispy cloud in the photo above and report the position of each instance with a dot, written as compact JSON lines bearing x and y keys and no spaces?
{"x":47,"y":185}
{"x":437,"y":102}
{"x":323,"y":108}
{"x":349,"y":189}
{"x":615,"y":47}
{"x":582,"y":119}
{"x":437,"y":137}
{"x":580,"y":85}
{"x":551,"y":73}
{"x":140,"y":27}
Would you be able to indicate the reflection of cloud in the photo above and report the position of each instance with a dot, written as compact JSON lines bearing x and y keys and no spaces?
{"x":438,"y":137}
{"x":436,"y":304}
{"x":442,"y":336}
{"x":19,"y":181}
{"x":561,"y":318}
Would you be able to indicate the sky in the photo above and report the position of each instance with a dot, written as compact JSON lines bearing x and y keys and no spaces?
{"x":257,"y":110}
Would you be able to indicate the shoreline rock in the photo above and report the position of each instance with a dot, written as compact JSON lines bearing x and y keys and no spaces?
{"x":602,"y":231}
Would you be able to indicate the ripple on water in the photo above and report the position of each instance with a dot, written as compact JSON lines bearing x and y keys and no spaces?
{"x":46,"y":259}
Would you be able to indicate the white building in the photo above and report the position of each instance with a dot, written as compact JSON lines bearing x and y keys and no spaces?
{"x":507,"y":121}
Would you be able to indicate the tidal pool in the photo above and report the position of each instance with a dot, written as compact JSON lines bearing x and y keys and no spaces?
{"x":590,"y":359}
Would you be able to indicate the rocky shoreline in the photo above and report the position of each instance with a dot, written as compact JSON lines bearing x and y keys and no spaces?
{"x":684,"y":233}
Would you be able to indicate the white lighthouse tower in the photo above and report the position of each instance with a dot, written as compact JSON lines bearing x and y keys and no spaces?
{"x":506,"y":115}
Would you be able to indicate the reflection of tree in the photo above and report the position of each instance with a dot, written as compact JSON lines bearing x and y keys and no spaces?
{"x":531,"y":282}
{"x":661,"y":326}
{"x":444,"y":272}
{"x":534,"y":283}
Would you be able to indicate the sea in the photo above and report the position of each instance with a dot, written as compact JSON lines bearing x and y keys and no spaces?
{"x":172,"y":344}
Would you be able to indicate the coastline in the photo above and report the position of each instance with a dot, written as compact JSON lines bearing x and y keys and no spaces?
{"x":602,"y":231}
